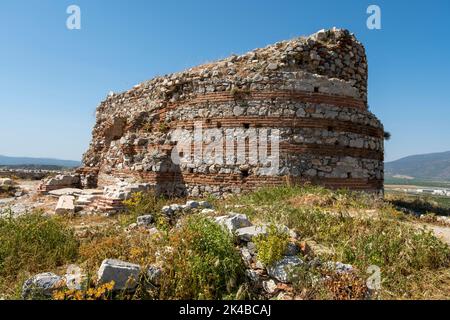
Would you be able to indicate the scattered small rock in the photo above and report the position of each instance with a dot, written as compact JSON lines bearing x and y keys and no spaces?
{"x":270,"y":286}
{"x":292,"y":249}
{"x":282,"y":269}
{"x":145,"y":220}
{"x":246,"y":256}
{"x":192,"y":204}
{"x":154,"y":275}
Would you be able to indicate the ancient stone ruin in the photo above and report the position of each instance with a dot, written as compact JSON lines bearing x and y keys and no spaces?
{"x":293,"y":112}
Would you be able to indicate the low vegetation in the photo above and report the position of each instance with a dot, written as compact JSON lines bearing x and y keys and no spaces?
{"x":202,"y":262}
{"x":271,"y":247}
{"x":31,"y":244}
{"x":358,"y":229}
{"x":144,"y":204}
{"x":199,"y":259}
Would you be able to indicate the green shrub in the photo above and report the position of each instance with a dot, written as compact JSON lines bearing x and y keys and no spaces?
{"x":203,"y":262}
{"x":271,"y":247}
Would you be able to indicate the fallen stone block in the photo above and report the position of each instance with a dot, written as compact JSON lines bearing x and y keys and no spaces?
{"x":248,"y":233}
{"x":41,"y":286}
{"x":65,"y":205}
{"x":63,"y":180}
{"x":234,"y":221}
{"x":124,"y":274}
{"x":246,"y":256}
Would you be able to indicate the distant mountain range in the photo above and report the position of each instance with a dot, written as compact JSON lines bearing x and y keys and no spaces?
{"x":431,"y":167}
{"x":36,"y":162}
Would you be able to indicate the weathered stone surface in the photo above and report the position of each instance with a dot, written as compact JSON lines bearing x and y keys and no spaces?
{"x":145,"y":220}
{"x":65,"y":205}
{"x":41,"y":286}
{"x":124,"y":274}
{"x":192,"y":204}
{"x":66,"y":192}
{"x":154,"y":275}
{"x":74,"y":277}
{"x":292,"y":249}
{"x":63,"y":180}
{"x":205,"y":205}
{"x":208,"y":211}
{"x":234,"y":221}
{"x":6,"y":182}
{"x":167,"y":210}
{"x":254,"y":277}
{"x":248,"y":233}
{"x":246,"y":256}
{"x":282,"y":269}
{"x":339,"y":267}
{"x":270,"y":286}
{"x":124,"y":190}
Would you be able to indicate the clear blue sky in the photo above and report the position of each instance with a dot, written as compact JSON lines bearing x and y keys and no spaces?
{"x":52,"y":79}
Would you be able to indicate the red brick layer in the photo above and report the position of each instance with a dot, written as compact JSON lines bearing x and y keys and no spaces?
{"x":251,"y":182}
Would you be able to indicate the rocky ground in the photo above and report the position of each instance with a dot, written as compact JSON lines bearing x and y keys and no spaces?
{"x":130,"y":251}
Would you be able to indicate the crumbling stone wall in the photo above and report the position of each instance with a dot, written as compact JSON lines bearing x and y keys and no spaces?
{"x":312,"y":90}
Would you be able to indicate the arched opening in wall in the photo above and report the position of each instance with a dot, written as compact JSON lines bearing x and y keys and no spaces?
{"x":316,"y":89}
{"x":246,"y":125}
{"x":218,"y":125}
{"x":330,"y":128}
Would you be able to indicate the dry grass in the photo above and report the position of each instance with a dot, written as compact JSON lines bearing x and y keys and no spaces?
{"x":201,"y":261}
